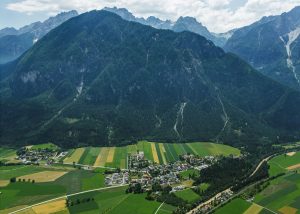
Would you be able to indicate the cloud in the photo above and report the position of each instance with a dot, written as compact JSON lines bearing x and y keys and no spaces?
{"x":217,"y":15}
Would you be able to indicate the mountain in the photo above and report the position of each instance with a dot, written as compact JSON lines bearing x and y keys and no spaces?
{"x":98,"y":79}
{"x":182,"y":24}
{"x":272,"y":46}
{"x":14,"y":43}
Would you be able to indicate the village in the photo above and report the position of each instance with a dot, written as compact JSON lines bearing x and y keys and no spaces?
{"x":29,"y":155}
{"x":145,"y":173}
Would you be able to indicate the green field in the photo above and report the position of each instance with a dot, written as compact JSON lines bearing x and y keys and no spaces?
{"x":26,"y":193}
{"x":236,"y":206}
{"x":280,"y":163}
{"x":49,"y":146}
{"x":9,"y":172}
{"x":115,"y":201}
{"x":7,"y":155}
{"x":161,"y":153}
{"x":283,"y":191}
{"x":186,"y":174}
{"x":187,"y":195}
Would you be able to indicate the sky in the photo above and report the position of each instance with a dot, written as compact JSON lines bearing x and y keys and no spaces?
{"x":217,"y":15}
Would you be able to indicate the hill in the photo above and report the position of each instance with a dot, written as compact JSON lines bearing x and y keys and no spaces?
{"x":100,"y":80}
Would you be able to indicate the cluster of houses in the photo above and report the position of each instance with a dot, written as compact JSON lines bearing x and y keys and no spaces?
{"x":35,"y":156}
{"x":164,"y":174}
{"x":209,"y":205}
{"x":117,"y":178}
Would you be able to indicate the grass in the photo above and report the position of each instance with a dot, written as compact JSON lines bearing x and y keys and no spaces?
{"x":7,"y":155}
{"x":280,"y":163}
{"x":44,"y":176}
{"x":24,"y":193}
{"x":89,"y":156}
{"x":49,"y":146}
{"x":236,"y":206}
{"x":17,"y":171}
{"x":115,"y":201}
{"x":166,"y":209}
{"x":186,"y":174}
{"x":188,"y":195}
{"x":93,"y":182}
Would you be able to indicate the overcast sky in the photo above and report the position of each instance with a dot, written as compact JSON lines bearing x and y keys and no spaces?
{"x":216,"y":15}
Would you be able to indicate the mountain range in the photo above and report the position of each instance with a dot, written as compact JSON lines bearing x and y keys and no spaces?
{"x":98,"y":79}
{"x":272,"y":46}
{"x":182,"y":24}
{"x":13,"y":42}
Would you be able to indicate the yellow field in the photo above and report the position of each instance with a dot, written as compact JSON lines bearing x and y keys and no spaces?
{"x":52,"y":207}
{"x":254,"y":209}
{"x":154,"y":153}
{"x":291,"y":154}
{"x":44,"y":176}
{"x":27,"y":211}
{"x":9,"y":210}
{"x":294,"y":167}
{"x":111,"y":154}
{"x":4,"y":183}
{"x":162,"y":152}
{"x":75,"y":157}
{"x":288,"y":210}
{"x":102,"y":157}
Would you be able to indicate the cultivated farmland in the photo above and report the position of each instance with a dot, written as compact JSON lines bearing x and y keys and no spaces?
{"x":282,"y":195}
{"x":161,"y":153}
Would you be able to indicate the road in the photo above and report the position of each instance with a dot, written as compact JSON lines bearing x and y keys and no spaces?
{"x":159,"y":207}
{"x":259,"y":165}
{"x":208,"y":201}
{"x":63,"y":197}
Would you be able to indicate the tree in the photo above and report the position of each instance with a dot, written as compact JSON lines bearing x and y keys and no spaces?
{"x":13,"y":180}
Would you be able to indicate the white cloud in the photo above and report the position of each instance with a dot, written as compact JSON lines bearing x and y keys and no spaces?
{"x":217,"y":15}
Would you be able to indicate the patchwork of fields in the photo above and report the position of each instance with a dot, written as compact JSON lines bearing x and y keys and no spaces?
{"x":283,"y":194}
{"x":240,"y":206}
{"x":50,"y":182}
{"x":284,"y":163}
{"x":160,"y":153}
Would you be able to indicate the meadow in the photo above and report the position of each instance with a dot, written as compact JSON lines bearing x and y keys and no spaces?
{"x":8,"y":155}
{"x":284,"y":163}
{"x":115,"y":201}
{"x":188,"y":195}
{"x":161,"y":153}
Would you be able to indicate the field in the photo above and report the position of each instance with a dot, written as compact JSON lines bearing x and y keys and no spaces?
{"x":56,"y":181}
{"x":236,"y":206}
{"x":283,"y":163}
{"x":161,"y":153}
{"x":282,"y":194}
{"x":8,"y":155}
{"x":115,"y":201}
{"x":187,"y":195}
{"x":49,"y":146}
{"x":45,"y":176}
